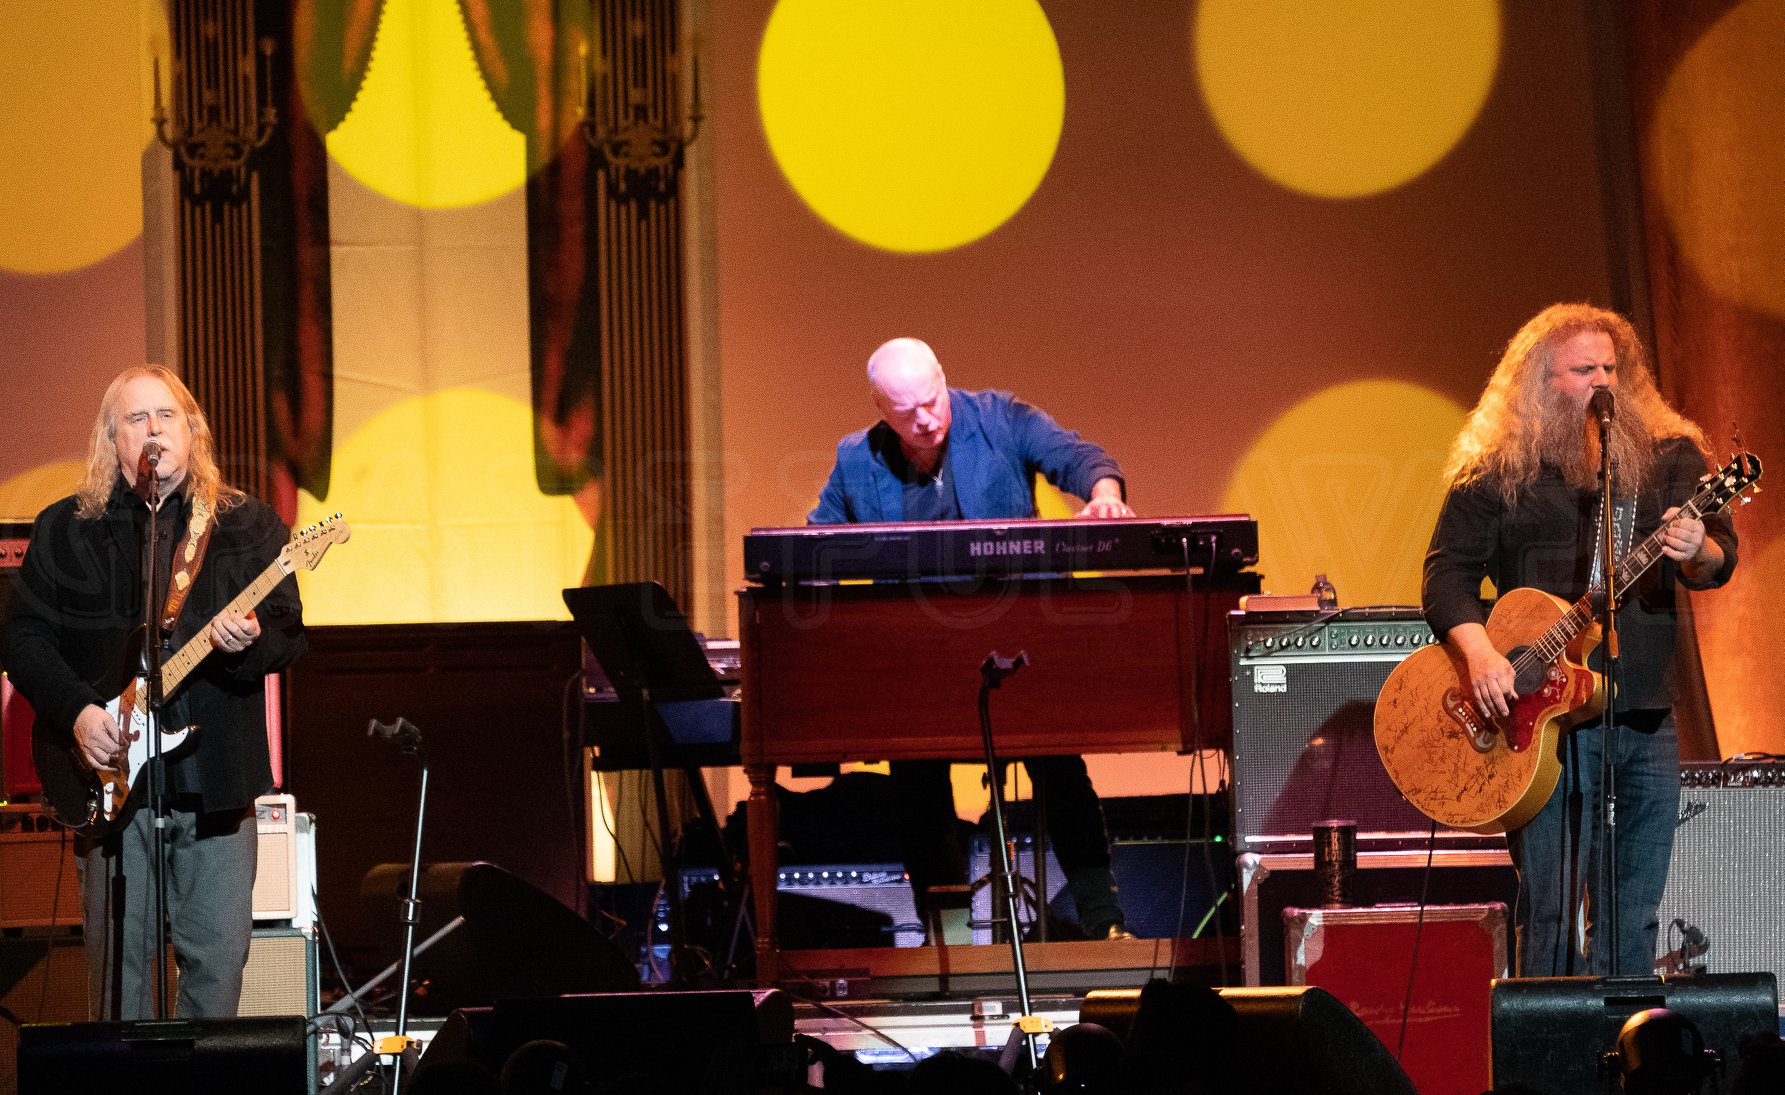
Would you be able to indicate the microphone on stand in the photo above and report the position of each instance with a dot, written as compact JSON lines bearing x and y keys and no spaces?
{"x":996,"y":667}
{"x":145,"y":470}
{"x":1600,"y":407}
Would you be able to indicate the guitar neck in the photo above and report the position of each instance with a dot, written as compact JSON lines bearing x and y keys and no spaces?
{"x":1636,"y":563}
{"x":175,"y":669}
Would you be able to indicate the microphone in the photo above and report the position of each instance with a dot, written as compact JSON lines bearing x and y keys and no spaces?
{"x":152,"y":452}
{"x":1696,"y":942}
{"x":400,"y":732}
{"x":1600,"y":407}
{"x":996,"y":667}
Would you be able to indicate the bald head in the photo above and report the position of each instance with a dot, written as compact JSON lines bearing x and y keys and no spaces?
{"x":912,"y":396}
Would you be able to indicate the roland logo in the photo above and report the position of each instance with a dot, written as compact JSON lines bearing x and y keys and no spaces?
{"x":979,"y":548}
{"x":1270,"y":678}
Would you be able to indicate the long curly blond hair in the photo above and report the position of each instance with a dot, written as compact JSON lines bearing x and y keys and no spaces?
{"x":1502,"y":440}
{"x":204,"y":482}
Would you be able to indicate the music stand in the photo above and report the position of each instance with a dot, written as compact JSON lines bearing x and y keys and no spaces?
{"x":652,"y":658}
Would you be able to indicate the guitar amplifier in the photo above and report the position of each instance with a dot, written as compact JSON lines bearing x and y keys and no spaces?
{"x":285,"y":880}
{"x":1304,"y":743}
{"x":38,"y":888}
{"x":1726,"y":881}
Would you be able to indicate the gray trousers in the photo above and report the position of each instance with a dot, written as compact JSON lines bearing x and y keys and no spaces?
{"x":211,"y":859}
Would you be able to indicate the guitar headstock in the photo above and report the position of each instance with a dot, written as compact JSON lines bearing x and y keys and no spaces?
{"x":309,"y":544}
{"x":1726,"y":485}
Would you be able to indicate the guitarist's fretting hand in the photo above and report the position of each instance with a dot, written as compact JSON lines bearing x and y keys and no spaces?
{"x":233,"y":632}
{"x":1683,"y":540}
{"x":97,"y":737}
{"x":1490,"y":675}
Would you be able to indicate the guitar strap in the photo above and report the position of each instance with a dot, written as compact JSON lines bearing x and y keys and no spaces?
{"x":189,"y":555}
{"x":1623,"y":532}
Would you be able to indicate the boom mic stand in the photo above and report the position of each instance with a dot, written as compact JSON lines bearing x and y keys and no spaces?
{"x":407,"y":738}
{"x":1600,"y":407}
{"x":992,"y":673}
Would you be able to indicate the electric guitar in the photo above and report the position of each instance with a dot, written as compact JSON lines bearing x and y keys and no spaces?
{"x":1492,"y":775}
{"x":92,"y":801}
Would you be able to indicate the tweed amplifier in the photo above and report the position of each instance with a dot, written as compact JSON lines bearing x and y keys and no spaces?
{"x":1726,"y":882}
{"x":1304,"y":744}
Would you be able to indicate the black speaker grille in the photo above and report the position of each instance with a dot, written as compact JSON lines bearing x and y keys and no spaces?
{"x":1304,"y":746}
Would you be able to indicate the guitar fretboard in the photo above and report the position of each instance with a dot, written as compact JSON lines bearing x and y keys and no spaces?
{"x":175,"y":669}
{"x":1636,"y":563}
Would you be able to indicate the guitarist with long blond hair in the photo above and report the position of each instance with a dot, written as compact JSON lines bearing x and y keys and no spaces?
{"x":1523,"y":510}
{"x":69,"y":648}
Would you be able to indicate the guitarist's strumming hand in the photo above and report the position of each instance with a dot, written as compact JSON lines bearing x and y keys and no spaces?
{"x":1490,"y":674}
{"x":97,"y":737}
{"x":234,"y":632}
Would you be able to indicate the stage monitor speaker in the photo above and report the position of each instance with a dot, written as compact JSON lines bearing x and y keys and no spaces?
{"x":1298,"y":1039}
{"x":1304,"y":743}
{"x":166,"y":1056}
{"x":1726,"y":882}
{"x":720,"y":1042}
{"x":43,"y":979}
{"x":515,"y":941}
{"x":1550,"y":1032}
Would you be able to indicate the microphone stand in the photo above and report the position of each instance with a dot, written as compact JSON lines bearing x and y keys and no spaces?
{"x":149,"y":487}
{"x":1608,"y":737}
{"x":407,"y":738}
{"x":992,"y":673}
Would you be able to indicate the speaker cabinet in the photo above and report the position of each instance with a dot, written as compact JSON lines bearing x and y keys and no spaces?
{"x":43,"y":979}
{"x":722,"y":1041}
{"x":190,"y":1057}
{"x":38,"y":887}
{"x":1549,"y":1032}
{"x":1304,"y":743}
{"x":1726,"y":882}
{"x":281,"y":975}
{"x":1282,"y":1039}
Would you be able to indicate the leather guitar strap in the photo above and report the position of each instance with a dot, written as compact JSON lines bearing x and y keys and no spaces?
{"x":188,"y":557}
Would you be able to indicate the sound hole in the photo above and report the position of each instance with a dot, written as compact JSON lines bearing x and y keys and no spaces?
{"x":1530,"y":677}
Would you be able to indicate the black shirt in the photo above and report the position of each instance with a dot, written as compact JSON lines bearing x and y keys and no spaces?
{"x":1547,"y":542}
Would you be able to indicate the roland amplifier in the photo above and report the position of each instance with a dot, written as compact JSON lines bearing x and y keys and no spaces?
{"x":1304,"y":742}
{"x":1726,"y":881}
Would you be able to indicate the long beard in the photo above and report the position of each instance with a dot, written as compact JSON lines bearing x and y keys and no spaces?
{"x":1570,"y":443}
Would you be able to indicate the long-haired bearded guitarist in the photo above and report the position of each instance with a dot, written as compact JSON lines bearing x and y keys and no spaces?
{"x":1523,"y":509}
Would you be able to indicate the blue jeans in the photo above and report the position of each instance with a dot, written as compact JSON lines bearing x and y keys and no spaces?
{"x":1558,"y":854}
